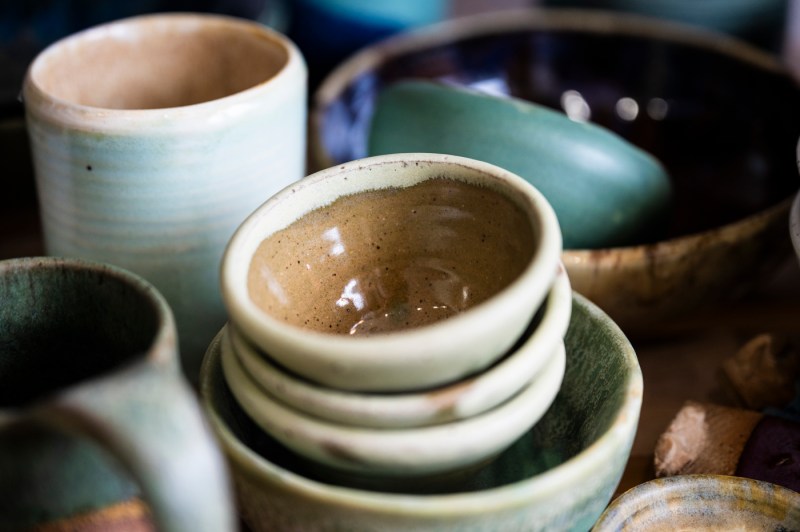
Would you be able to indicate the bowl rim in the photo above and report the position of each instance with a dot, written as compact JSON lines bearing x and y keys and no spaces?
{"x":250,"y":464}
{"x":338,"y":357}
{"x":645,"y":496}
{"x":597,"y":21}
{"x":450,"y":402}
{"x":387,"y":451}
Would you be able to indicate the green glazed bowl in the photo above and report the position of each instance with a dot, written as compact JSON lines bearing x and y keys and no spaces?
{"x":558,"y":476}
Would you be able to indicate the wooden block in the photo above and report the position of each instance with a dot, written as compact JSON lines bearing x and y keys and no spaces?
{"x":704,"y":438}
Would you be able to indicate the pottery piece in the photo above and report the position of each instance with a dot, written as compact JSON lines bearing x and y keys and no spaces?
{"x":93,"y":406}
{"x":413,"y":265}
{"x":605,"y":191}
{"x":148,"y":155}
{"x":449,"y":402}
{"x":703,"y":502}
{"x":401,"y":452}
{"x":558,"y":476}
{"x":722,"y":129}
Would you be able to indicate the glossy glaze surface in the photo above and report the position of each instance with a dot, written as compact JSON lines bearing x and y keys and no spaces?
{"x":394,"y":259}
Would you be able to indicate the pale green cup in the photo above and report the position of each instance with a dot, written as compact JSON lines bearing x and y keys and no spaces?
{"x":153,"y":137}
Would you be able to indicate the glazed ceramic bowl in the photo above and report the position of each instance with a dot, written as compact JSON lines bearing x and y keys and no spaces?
{"x":346,"y":272}
{"x":720,"y":115}
{"x":450,"y":402}
{"x":703,"y":502}
{"x":387,"y":455}
{"x":560,"y":475}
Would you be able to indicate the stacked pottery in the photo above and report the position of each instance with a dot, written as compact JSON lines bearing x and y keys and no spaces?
{"x":397,"y":321}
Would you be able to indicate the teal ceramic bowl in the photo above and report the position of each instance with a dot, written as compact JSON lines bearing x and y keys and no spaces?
{"x":703,"y":502}
{"x":558,"y":476}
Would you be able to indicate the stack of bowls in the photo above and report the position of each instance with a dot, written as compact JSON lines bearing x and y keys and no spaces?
{"x":397,"y":321}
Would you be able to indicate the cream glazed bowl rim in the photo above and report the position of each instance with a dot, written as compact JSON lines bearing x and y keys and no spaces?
{"x":402,"y":452}
{"x":425,"y":356}
{"x":452,"y":401}
{"x":285,"y":79}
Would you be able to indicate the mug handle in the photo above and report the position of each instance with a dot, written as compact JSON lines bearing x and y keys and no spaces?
{"x":147,"y":416}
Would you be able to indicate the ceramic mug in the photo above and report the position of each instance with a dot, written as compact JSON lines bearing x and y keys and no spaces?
{"x":88,"y":365}
{"x":153,"y":137}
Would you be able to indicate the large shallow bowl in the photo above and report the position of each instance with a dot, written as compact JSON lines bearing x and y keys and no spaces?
{"x":721,"y":115}
{"x":558,"y":476}
{"x":703,"y":502}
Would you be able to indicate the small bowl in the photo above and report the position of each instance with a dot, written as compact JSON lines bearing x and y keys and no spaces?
{"x":703,"y":502}
{"x":450,"y":402}
{"x":411,"y":452}
{"x":456,"y":248}
{"x":724,"y":123}
{"x":578,"y":448}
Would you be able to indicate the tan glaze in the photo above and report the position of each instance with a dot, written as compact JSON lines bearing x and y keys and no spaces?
{"x":392,"y":259}
{"x":125,"y":68}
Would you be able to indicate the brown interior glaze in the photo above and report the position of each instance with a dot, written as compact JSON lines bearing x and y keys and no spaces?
{"x":392,"y":259}
{"x":155,"y":64}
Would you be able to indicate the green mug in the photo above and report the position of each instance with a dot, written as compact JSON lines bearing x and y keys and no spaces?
{"x":93,"y":406}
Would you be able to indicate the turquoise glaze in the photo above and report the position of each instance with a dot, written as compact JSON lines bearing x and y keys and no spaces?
{"x":559,"y":476}
{"x":605,"y":191}
{"x":93,"y":407}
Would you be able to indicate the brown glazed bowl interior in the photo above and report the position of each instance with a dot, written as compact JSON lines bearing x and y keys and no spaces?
{"x":722,"y":116}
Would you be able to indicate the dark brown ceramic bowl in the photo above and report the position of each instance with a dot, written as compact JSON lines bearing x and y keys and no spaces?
{"x":721,"y":115}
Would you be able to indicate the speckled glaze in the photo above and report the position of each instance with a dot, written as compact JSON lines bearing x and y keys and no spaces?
{"x":154,"y":168}
{"x":732,"y":184}
{"x":404,"y":359}
{"x":93,"y":407}
{"x":451,"y":401}
{"x":703,"y":502}
{"x":558,"y":476}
